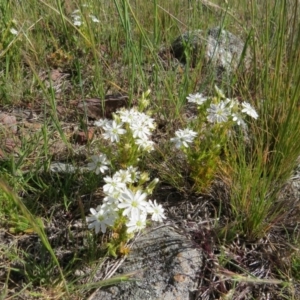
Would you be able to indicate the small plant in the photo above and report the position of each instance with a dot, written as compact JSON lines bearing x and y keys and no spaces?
{"x":8,"y":37}
{"x":205,"y":142}
{"x":124,"y":209}
{"x":129,"y":134}
{"x":79,"y":19}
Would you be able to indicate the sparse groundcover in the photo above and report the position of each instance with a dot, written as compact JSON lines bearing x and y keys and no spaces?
{"x":104,"y":132}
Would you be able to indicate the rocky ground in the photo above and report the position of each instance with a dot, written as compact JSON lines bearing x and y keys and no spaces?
{"x":180,"y":259}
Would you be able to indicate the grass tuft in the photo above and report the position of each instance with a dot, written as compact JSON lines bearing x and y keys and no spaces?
{"x":59,"y":56}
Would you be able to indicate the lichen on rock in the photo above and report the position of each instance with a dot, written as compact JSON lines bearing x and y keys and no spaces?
{"x":218,"y":47}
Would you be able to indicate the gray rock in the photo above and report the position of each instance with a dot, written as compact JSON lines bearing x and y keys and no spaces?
{"x":168,"y":268}
{"x":218,"y":47}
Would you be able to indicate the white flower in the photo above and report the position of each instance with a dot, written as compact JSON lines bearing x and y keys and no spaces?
{"x":113,"y":186}
{"x":140,"y":130}
{"x":136,"y":224}
{"x":113,"y":131}
{"x":111,"y":202}
{"x":218,"y":113}
{"x":127,"y":116}
{"x":134,"y":204}
{"x":94,"y":19}
{"x":183,"y":137}
{"x":98,"y":163}
{"x":76,"y":18}
{"x":77,"y":23}
{"x":147,"y":121}
{"x":196,"y":98}
{"x":13,"y":31}
{"x":140,"y":125}
{"x":123,"y":176}
{"x":134,"y":173}
{"x":102,"y":122}
{"x":156,"y":210}
{"x":238,"y":119}
{"x":135,"y":118}
{"x":145,"y":144}
{"x":249,"y":110}
{"x":101,"y":218}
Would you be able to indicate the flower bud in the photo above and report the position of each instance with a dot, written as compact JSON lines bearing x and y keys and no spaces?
{"x":144,"y":178}
{"x":146,"y":94}
{"x":219,"y":92}
{"x":151,"y":186}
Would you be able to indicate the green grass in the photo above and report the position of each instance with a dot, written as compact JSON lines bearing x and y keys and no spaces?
{"x":120,"y":54}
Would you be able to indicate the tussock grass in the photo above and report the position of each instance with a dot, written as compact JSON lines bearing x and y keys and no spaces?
{"x":124,"y":53}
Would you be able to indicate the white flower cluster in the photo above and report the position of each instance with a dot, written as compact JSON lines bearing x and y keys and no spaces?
{"x":183,"y":138}
{"x":140,"y":125}
{"x":196,"y":98}
{"x":77,"y":18}
{"x":13,"y":31}
{"x":132,"y":203}
{"x":98,"y":164}
{"x":225,"y":109}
